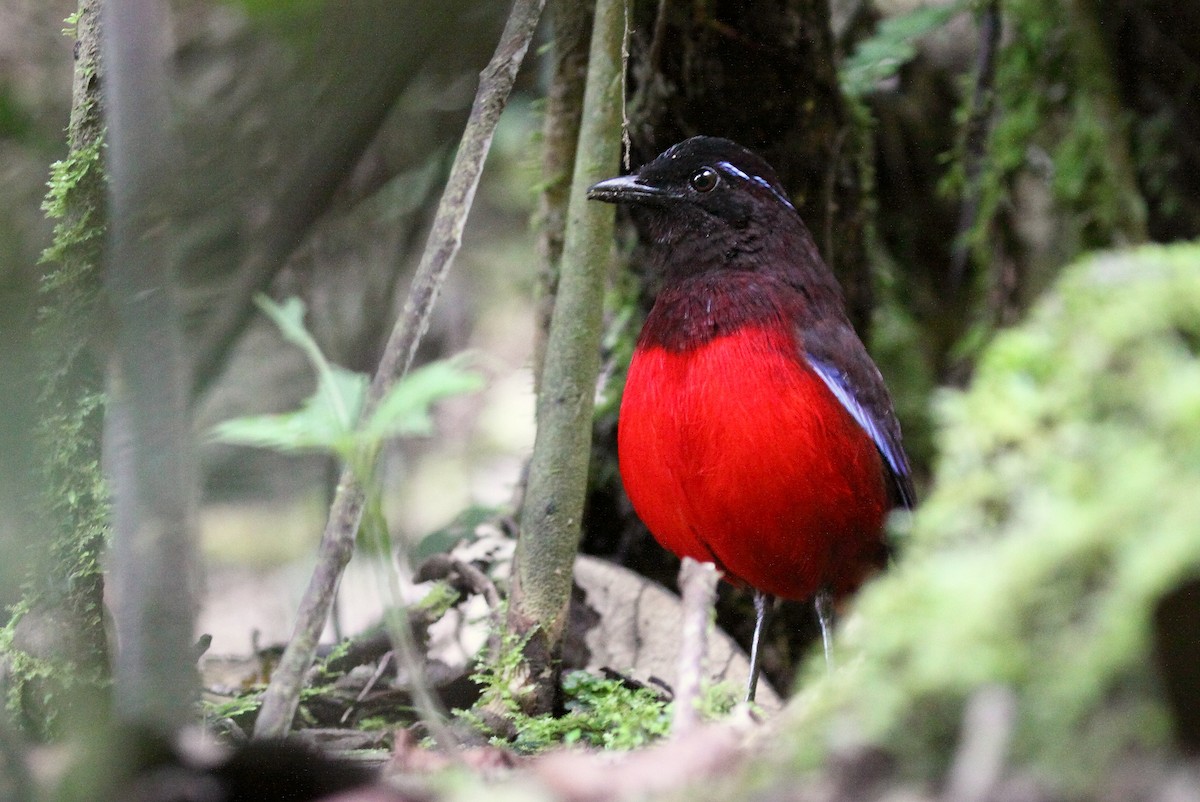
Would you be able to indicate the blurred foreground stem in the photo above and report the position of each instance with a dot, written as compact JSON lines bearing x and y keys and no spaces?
{"x":149,"y":453}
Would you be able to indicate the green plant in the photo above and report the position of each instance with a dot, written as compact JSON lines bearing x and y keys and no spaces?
{"x":71,"y":24}
{"x":332,"y":420}
{"x":329,"y":420}
{"x":40,"y":689}
{"x":438,"y":601}
{"x":235,"y":707}
{"x":602,"y":712}
{"x":500,"y":679}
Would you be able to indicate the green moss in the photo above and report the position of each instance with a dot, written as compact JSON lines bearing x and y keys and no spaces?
{"x":79,"y":230}
{"x":600,"y":712}
{"x":39,"y":690}
{"x":1063,"y":510}
{"x":239,"y":708}
{"x":603,"y":712}
{"x":892,"y":45}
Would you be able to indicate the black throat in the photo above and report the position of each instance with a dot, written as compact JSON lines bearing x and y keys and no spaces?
{"x":691,"y":312}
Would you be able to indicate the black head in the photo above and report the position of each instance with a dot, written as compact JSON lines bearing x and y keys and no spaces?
{"x":702,"y":187}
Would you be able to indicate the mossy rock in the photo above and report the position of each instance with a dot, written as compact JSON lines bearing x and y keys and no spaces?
{"x":1064,"y":508}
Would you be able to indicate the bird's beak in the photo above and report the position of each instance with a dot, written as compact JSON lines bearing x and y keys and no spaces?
{"x":623,"y":189}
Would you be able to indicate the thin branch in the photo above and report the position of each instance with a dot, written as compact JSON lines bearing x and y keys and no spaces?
{"x":337,"y":543}
{"x":570,"y":22}
{"x":384,"y":663}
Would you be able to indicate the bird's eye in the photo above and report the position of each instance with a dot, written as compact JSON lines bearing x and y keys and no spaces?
{"x":705,"y":179}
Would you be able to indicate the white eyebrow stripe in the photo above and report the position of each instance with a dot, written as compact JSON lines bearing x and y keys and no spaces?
{"x":731,"y":169}
{"x":726,"y":166}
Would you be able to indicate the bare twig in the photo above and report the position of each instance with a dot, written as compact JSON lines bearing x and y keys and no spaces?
{"x":698,"y":586}
{"x":337,"y":543}
{"x":553,"y":508}
{"x":384,"y":662}
{"x":483,"y":585}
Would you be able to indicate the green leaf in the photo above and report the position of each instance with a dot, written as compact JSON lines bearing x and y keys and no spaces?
{"x":405,"y":409}
{"x":324,"y":422}
{"x":329,"y":420}
{"x":893,"y":45}
{"x":289,"y":318}
{"x":460,"y":530}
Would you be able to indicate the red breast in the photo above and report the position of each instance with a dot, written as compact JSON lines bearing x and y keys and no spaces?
{"x":733,"y":450}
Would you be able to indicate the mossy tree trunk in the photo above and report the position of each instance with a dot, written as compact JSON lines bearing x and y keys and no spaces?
{"x":1087,"y":114}
{"x":57,"y":650}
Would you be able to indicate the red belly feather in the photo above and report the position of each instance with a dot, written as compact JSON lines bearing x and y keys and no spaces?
{"x":735,"y":452}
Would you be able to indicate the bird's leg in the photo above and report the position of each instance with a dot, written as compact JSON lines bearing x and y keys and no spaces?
{"x":823,"y":604}
{"x":762,"y":609}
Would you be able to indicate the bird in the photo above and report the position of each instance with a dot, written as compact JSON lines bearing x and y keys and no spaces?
{"x":754,"y":432}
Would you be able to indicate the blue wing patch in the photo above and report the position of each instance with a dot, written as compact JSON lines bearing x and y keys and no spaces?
{"x":835,"y":380}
